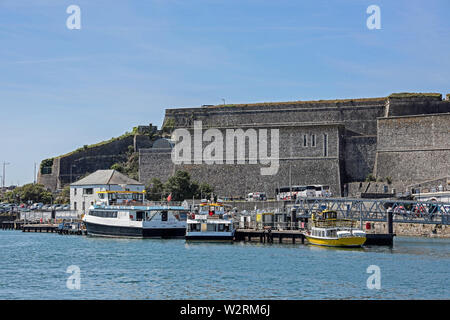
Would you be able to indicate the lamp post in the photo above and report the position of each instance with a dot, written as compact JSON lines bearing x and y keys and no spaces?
{"x":3,"y":177}
{"x":290,"y":181}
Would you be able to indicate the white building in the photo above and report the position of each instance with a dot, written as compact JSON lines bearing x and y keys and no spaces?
{"x":84,"y":192}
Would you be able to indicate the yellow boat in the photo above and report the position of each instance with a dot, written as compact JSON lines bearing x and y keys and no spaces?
{"x":328,"y":230}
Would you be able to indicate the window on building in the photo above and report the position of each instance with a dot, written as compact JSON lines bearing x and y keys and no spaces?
{"x":305,"y":140}
{"x":83,"y":207}
{"x":313,"y":140}
{"x":75,"y":205}
{"x":325,"y":145}
{"x":74,"y":191}
{"x":88,"y":191}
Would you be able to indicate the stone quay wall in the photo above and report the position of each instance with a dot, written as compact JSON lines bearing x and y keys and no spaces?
{"x":411,"y":229}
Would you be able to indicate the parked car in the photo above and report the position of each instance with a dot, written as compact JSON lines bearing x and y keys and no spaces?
{"x":400,"y":210}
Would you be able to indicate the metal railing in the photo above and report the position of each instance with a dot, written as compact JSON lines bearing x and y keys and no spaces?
{"x":280,"y":226}
{"x":36,"y":216}
{"x":404,"y":211}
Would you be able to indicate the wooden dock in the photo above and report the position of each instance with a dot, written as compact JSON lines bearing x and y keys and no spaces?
{"x":11,"y":225}
{"x":52,"y":228}
{"x":40,"y":228}
{"x":268,"y":236}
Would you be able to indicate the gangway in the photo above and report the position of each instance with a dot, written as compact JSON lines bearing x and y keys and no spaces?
{"x":403,"y":211}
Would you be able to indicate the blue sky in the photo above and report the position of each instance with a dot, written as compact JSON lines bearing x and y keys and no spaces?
{"x":61,"y":89}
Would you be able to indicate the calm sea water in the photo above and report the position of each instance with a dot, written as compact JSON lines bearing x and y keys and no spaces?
{"x":33,"y":266}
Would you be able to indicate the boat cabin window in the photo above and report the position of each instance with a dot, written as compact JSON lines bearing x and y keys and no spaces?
{"x":117,"y":197}
{"x":139,"y":215}
{"x":103,"y":214}
{"x":164,"y":215}
{"x":183,"y":216}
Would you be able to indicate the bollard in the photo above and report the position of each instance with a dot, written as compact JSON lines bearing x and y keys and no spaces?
{"x":390,"y":222}
{"x":293,"y":218}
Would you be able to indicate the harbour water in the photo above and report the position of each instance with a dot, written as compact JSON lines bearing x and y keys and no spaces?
{"x":34,"y":265}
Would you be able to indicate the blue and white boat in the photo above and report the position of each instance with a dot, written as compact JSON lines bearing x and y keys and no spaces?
{"x":124,"y":214}
{"x":210,"y":223}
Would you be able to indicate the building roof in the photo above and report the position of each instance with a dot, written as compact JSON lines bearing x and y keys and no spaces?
{"x":105,"y":177}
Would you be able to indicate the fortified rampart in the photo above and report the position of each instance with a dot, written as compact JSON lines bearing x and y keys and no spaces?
{"x":414,"y":148}
{"x":352,"y":127}
{"x":403,"y":138}
{"x":62,"y":170}
{"x":297,"y":161}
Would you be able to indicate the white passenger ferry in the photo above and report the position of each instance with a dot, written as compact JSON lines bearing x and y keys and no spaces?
{"x":210,"y":223}
{"x":124,"y":214}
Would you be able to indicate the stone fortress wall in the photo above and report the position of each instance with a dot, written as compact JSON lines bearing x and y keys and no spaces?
{"x":402,"y":136}
{"x":413,"y":148}
{"x":358,"y":133}
{"x":230,"y":180}
{"x":74,"y":165}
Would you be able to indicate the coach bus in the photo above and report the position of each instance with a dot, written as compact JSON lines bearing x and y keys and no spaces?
{"x":294,"y":192}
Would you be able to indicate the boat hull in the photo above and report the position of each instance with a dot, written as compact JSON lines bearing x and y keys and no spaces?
{"x":104,"y":230}
{"x":347,"y":242}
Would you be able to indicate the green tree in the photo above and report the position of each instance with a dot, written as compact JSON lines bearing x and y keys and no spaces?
{"x":118,"y":167}
{"x":181,"y":187}
{"x":154,"y":190}
{"x":131,"y":166}
{"x":204,"y":191}
{"x":29,"y":192}
{"x":64,"y":196}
